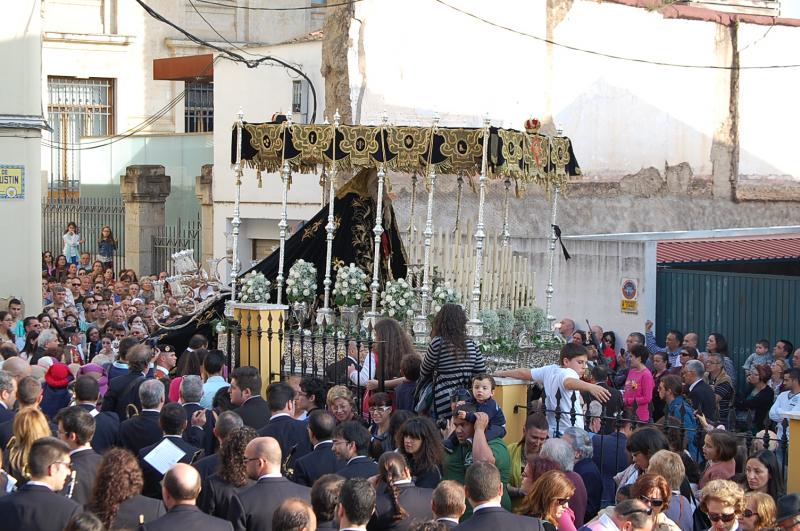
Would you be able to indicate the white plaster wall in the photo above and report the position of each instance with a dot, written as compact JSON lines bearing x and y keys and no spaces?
{"x":20,"y":48}
{"x":260,"y":93}
{"x":417,"y":57}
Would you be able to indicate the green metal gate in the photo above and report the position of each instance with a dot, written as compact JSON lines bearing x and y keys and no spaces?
{"x":742,"y":307}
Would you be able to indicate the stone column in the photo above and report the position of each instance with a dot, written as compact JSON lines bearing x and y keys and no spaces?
{"x":203,"y":190}
{"x":144,"y":189}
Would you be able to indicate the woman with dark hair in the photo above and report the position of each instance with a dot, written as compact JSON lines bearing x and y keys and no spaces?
{"x":420,"y":443}
{"x":6,"y":325}
{"x":451,"y":360}
{"x":116,"y":497}
{"x":579,"y":337}
{"x":642,"y":445}
{"x":760,"y":398}
{"x":609,"y":344}
{"x":764,"y":474}
{"x":48,"y":266}
{"x":231,"y":475}
{"x":93,"y":341}
{"x":400,"y":502}
{"x":29,"y":349}
{"x":719,"y":449}
{"x":188,"y":364}
{"x":60,"y":272}
{"x":716,"y":343}
{"x":390,"y":344}
{"x":380,"y":414}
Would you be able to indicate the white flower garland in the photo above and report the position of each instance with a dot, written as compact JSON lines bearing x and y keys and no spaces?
{"x":350,"y":286}
{"x":254,"y":288}
{"x":397,"y":299}
{"x":301,"y":286}
{"x":443,"y":294}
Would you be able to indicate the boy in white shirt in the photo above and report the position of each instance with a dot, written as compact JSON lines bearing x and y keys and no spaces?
{"x":565,"y":378}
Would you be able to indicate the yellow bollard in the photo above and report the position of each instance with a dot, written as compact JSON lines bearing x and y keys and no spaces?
{"x":509,"y":393}
{"x":260,"y":338}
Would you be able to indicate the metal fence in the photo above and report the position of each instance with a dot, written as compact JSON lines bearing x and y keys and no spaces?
{"x":171,"y":239}
{"x":91,"y":214}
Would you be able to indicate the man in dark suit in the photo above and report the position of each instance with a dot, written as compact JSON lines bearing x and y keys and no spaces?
{"x":252,"y":509}
{"x":180,"y":490}
{"x":294,"y":514}
{"x":351,"y":444}
{"x":144,"y":429}
{"x":321,"y":460}
{"x":246,"y":394}
{"x":8,"y":396}
{"x":484,"y":490}
{"x":106,"y":423}
{"x":37,"y":505}
{"x":29,"y":394}
{"x":226,"y":423}
{"x":356,"y":504}
{"x":324,"y":498}
{"x":76,"y":427}
{"x":291,"y":434}
{"x":173,"y":421}
{"x":414,"y":501}
{"x":611,"y":457}
{"x":200,"y":422}
{"x":701,"y":395}
{"x":447,"y":502}
{"x":124,"y":390}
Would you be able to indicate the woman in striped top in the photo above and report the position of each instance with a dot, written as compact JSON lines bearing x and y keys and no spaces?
{"x":451,"y":358}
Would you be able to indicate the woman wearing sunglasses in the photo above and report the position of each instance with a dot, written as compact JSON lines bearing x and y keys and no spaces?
{"x":653,"y":490}
{"x":548,"y":501}
{"x":759,"y":512}
{"x":723,"y":502}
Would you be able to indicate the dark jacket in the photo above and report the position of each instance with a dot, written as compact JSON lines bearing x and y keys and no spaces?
{"x":215,"y":497}
{"x":85,"y":464}
{"x":255,"y":413}
{"x":590,"y":474}
{"x":187,"y":517}
{"x":252,"y":508}
{"x":702,"y":399}
{"x":131,"y":509}
{"x":6,"y":414}
{"x":207,"y":466}
{"x":316,"y":464}
{"x":53,"y":400}
{"x":196,"y":436}
{"x":140,"y":431}
{"x":611,"y":458}
{"x":415,"y":501}
{"x":152,"y":477}
{"x":291,"y":434}
{"x":497,"y":518}
{"x":123,"y":390}
{"x":36,"y":507}
{"x":106,"y":428}
{"x":359,"y":467}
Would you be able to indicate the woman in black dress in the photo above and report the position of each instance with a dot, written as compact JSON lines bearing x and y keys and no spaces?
{"x":231,"y":476}
{"x":421,"y":444}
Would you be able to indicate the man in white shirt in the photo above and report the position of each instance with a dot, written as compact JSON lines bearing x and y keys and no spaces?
{"x":562,"y":381}
{"x":356,"y":504}
{"x":787,"y":401}
{"x":628,"y":515}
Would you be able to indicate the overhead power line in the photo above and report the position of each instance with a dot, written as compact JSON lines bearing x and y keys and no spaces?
{"x":298,"y":8}
{"x":609,"y":55}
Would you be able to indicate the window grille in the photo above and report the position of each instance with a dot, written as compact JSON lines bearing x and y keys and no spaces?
{"x":199,"y":108}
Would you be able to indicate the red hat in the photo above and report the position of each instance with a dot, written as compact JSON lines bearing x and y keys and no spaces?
{"x":58,"y":376}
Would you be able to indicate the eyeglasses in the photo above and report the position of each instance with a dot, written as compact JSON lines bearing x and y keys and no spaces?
{"x":716,"y":517}
{"x":67,"y":464}
{"x":655,"y":502}
{"x":340,"y":441}
{"x":562,"y":501}
{"x":382,"y":409}
{"x":648,"y":512}
{"x":248,"y":459}
{"x":748,"y":513}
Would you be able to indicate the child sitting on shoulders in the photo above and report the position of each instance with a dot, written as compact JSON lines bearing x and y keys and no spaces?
{"x":483,"y":386}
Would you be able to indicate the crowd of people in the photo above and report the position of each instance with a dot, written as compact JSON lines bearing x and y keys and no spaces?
{"x":102,"y":428}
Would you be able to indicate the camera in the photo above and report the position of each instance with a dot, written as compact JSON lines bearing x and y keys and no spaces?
{"x":441,"y":424}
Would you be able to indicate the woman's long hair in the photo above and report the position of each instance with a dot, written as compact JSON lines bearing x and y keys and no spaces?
{"x":391,"y":468}
{"x":118,"y":478}
{"x":451,"y":325}
{"x":30,"y":343}
{"x":188,"y":364}
{"x":722,"y":344}
{"x":393,"y":343}
{"x":30,"y":424}
{"x":549,"y":487}
{"x":232,"y":466}
{"x":770,"y":462}
{"x":431,"y":452}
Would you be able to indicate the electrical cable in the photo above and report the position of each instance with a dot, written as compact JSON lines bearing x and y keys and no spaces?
{"x":250,"y":63}
{"x":609,"y":55}
{"x":299,"y":8}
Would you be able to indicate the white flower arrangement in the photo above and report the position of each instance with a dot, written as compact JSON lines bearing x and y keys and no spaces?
{"x":443,"y":294}
{"x":254,"y":288}
{"x":397,"y":299}
{"x":301,"y":286}
{"x":350,"y":286}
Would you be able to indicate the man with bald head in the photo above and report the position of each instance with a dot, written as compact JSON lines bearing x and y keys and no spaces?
{"x":180,"y":489}
{"x":18,"y":367}
{"x":254,"y":507}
